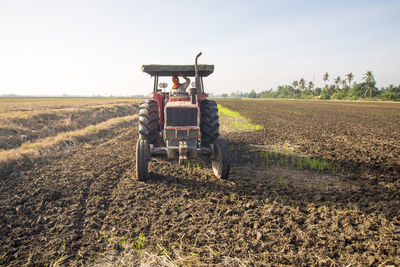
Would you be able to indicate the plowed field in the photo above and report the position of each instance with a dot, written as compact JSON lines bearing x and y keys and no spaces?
{"x":80,"y":203}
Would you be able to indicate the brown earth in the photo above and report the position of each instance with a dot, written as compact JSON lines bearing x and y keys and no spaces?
{"x":81,"y":202}
{"x":362,"y":136}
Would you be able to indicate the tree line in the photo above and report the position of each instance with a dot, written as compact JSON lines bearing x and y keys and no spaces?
{"x":340,"y":88}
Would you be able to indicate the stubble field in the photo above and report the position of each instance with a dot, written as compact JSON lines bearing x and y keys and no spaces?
{"x":318,"y":185}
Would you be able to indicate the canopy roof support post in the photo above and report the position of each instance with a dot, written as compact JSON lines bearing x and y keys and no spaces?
{"x":155,"y":84}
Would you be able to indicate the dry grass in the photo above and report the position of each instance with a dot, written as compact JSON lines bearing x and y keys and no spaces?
{"x":125,"y":251}
{"x":29,"y":121}
{"x":33,"y":150}
{"x":144,"y":258}
{"x":23,"y":108}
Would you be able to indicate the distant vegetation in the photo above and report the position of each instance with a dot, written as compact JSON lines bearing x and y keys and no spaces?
{"x":341,"y":88}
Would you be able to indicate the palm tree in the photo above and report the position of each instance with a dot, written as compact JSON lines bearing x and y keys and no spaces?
{"x":370,"y":82}
{"x":337,"y":81}
{"x":302,"y":84}
{"x":350,"y":77}
{"x":369,"y":77}
{"x":310,"y":85}
{"x":343,"y":83}
{"x":295,"y":84}
{"x":326,"y":79}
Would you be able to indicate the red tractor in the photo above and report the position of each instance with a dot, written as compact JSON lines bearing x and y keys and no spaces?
{"x":180,"y":125}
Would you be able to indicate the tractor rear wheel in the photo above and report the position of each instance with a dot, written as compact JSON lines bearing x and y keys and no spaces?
{"x":149,"y":121}
{"x":209,"y":125}
{"x":142,"y":159}
{"x":220,"y":159}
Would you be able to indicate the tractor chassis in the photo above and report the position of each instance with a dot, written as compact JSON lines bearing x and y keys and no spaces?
{"x":185,"y":151}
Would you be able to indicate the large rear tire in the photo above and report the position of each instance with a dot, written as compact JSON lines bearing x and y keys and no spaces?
{"x":209,"y":125}
{"x":220,"y":159}
{"x":142,"y":159}
{"x":149,"y":121}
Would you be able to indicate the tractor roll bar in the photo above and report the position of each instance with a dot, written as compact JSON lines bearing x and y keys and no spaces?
{"x":155,"y":84}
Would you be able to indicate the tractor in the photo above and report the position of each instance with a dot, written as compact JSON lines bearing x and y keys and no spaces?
{"x":180,"y":125}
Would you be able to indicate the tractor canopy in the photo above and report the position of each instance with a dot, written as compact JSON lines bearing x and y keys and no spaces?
{"x":171,"y":70}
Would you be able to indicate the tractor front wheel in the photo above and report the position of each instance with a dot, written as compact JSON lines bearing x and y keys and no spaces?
{"x":142,"y":159}
{"x":220,"y":159}
{"x":149,"y":121}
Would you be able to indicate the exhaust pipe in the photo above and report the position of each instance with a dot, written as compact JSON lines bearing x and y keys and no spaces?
{"x":196,"y":67}
{"x":197,"y":78}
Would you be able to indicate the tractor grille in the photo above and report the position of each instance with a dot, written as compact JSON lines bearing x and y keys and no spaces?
{"x":181,"y":117}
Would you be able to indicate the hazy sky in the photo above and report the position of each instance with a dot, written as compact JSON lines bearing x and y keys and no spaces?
{"x":98,"y":47}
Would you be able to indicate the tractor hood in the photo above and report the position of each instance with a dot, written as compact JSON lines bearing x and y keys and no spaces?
{"x":171,"y":70}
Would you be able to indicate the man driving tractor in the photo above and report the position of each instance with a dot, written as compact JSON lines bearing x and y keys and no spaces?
{"x":179,"y":88}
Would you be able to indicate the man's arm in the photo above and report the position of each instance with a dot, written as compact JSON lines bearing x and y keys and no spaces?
{"x":187,"y":81}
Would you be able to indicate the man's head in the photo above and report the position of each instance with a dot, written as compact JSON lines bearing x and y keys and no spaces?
{"x":175,"y":79}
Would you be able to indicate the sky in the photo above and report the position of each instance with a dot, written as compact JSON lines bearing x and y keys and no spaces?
{"x":98,"y":47}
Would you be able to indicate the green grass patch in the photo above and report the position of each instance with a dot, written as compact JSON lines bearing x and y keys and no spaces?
{"x":141,"y":240}
{"x":285,"y":160}
{"x":229,"y":112}
{"x":239,"y":121}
